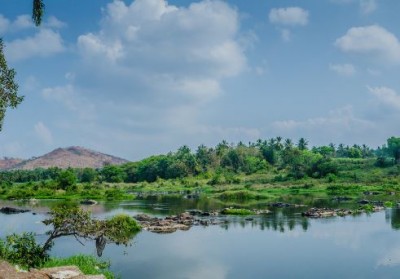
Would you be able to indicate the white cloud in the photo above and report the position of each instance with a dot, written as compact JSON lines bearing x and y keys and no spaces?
{"x":166,"y":49}
{"x":72,"y":99}
{"x":339,"y":122}
{"x":373,"y":39}
{"x":289,"y":16}
{"x":53,"y":22}
{"x":43,"y":133}
{"x":22,"y":22}
{"x":368,"y":6}
{"x":386,"y":96}
{"x":4,"y":24}
{"x":44,"y":43}
{"x":343,"y":69}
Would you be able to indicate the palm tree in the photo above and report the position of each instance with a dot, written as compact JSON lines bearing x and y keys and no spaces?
{"x":288,"y":144}
{"x":302,"y":144}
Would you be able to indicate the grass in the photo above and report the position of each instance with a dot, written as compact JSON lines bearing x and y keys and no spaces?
{"x":237,"y":211}
{"x":89,"y":265}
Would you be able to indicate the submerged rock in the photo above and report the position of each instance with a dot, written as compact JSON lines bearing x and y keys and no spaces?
{"x":88,"y":202}
{"x":12,"y":210}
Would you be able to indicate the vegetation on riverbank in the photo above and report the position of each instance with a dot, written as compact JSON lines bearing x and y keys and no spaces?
{"x":89,"y":265}
{"x":255,"y":171}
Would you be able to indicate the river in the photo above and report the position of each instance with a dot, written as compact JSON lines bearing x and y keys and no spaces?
{"x":281,"y":244}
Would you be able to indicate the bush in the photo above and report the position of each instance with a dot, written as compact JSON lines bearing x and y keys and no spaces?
{"x":23,"y":250}
{"x":237,"y":211}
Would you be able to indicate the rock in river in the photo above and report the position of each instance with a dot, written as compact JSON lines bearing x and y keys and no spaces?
{"x":12,"y":210}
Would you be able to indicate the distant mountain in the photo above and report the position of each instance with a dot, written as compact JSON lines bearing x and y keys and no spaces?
{"x":7,"y":163}
{"x":75,"y":157}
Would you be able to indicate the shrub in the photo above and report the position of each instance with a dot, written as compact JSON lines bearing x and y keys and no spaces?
{"x":87,"y":264}
{"x":23,"y":250}
{"x":237,"y":211}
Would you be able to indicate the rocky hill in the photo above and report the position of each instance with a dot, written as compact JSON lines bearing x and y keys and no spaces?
{"x":75,"y":157}
{"x":7,"y":163}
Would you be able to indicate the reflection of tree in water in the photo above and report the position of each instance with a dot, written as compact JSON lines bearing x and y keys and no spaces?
{"x":394,"y":217}
{"x":278,"y":220}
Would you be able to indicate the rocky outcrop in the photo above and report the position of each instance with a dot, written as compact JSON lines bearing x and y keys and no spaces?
{"x":181,"y":222}
{"x":283,"y":205}
{"x":7,"y":271}
{"x":329,"y":212}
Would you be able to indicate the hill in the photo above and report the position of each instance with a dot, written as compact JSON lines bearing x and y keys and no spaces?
{"x":75,"y":157}
{"x":8,"y":163}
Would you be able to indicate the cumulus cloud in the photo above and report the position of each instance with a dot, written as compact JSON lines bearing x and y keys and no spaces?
{"x":53,"y":22}
{"x":43,"y":133}
{"x":372,"y":40}
{"x":289,"y":16}
{"x":343,"y":69}
{"x":387,"y":96}
{"x":166,"y":49}
{"x":22,"y":22}
{"x":44,"y":43}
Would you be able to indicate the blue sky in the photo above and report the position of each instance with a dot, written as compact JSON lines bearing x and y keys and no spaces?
{"x":143,"y":77}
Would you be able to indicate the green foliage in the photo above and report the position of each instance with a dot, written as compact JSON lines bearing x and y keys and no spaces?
{"x":37,"y":11}
{"x":9,"y":88}
{"x":237,"y":211}
{"x":23,"y":250}
{"x":121,"y":228}
{"x":66,"y":179}
{"x":89,"y":265}
{"x":87,"y":175}
{"x":113,"y":174}
{"x":393,"y":147}
{"x":67,"y":219}
{"x":388,"y":204}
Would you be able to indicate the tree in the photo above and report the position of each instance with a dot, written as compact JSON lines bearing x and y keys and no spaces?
{"x":66,"y":179}
{"x":68,"y":220}
{"x":8,"y":87}
{"x":37,"y":11}
{"x":302,"y":144}
{"x":393,"y":147}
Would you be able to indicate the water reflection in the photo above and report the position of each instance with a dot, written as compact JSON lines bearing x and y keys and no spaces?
{"x":281,"y":244}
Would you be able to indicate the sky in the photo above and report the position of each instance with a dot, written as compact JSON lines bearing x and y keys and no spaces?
{"x":136,"y":78}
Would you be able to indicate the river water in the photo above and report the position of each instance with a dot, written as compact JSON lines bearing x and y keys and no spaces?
{"x":282,"y":244}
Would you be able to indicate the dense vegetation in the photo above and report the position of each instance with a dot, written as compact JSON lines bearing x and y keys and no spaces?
{"x":265,"y":163}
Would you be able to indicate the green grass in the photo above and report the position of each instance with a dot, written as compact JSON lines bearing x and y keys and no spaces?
{"x":89,"y":265}
{"x":237,"y":211}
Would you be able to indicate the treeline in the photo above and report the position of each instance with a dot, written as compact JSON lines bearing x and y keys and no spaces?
{"x":297,"y":160}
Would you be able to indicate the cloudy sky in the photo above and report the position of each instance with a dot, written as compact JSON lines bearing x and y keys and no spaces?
{"x":135,"y":78}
